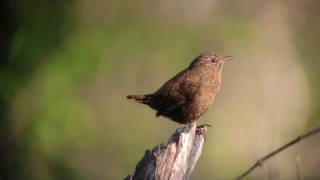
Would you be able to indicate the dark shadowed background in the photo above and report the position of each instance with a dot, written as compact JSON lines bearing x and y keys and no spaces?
{"x":67,"y":65}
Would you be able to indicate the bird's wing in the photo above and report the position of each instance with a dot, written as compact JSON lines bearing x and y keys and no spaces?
{"x":189,"y":86}
{"x":177,"y":91}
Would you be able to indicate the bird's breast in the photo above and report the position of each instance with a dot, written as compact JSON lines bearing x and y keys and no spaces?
{"x":204,"y":98}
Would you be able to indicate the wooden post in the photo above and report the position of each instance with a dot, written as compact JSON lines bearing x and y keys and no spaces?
{"x":174,"y":160}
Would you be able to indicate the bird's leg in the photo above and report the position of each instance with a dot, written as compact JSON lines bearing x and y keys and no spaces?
{"x":188,"y":124}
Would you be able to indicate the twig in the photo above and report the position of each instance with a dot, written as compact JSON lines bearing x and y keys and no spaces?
{"x":275,"y":152}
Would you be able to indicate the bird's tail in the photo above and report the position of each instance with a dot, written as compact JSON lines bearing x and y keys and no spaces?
{"x":144,"y":99}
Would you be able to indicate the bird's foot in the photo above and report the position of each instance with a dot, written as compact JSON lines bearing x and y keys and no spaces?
{"x":202,"y":129}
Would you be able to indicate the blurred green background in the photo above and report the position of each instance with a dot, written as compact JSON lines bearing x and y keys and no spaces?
{"x":67,"y":65}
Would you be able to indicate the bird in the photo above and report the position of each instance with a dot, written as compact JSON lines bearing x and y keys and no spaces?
{"x":187,"y":96}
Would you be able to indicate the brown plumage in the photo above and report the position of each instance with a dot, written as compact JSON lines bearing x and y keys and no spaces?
{"x":187,"y":96}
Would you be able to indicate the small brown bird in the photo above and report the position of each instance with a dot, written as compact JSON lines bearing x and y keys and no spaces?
{"x":187,"y":96}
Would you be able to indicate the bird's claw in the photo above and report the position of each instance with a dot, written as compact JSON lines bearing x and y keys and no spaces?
{"x":202,"y":129}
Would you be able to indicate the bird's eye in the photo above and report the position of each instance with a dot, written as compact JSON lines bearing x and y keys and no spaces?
{"x":213,"y":60}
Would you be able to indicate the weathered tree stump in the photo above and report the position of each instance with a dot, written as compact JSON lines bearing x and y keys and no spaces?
{"x":176,"y":159}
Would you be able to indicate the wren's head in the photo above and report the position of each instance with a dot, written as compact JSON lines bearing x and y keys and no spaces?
{"x":209,"y":61}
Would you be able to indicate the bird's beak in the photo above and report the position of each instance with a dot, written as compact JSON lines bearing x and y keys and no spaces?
{"x":227,"y":58}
